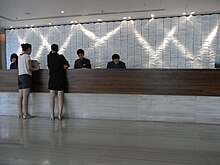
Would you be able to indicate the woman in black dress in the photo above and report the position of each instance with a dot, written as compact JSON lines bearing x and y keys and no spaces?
{"x":57,"y":65}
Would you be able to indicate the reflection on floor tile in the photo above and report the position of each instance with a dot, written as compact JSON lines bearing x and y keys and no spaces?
{"x":106,"y":142}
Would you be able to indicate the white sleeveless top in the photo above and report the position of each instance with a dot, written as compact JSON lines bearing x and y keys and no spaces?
{"x":23,"y":64}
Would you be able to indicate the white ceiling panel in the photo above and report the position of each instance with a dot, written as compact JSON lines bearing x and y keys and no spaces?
{"x":19,"y":13}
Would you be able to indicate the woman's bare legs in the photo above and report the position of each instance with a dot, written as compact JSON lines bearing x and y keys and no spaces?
{"x":52,"y":103}
{"x":20,"y":98}
{"x":23,"y":97}
{"x":60,"y":103}
{"x":25,"y":93}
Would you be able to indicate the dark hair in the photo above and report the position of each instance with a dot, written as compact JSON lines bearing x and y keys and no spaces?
{"x":80,"y":51}
{"x":13,"y":55}
{"x":25,"y":46}
{"x":115,"y":56}
{"x":54,"y":47}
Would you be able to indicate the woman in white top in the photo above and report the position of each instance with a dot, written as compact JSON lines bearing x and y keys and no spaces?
{"x":24,"y":80}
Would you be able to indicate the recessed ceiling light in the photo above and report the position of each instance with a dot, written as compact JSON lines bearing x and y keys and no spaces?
{"x":152,"y":15}
{"x":129,"y":17}
{"x":184,"y":13}
{"x":124,"y":17}
{"x":50,"y":23}
{"x":62,"y":11}
{"x":99,"y":20}
{"x":32,"y":25}
{"x":11,"y":26}
{"x":192,"y":13}
{"x":71,"y":21}
{"x":26,"y":25}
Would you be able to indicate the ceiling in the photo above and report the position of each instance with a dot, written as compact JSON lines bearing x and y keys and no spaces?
{"x":19,"y":13}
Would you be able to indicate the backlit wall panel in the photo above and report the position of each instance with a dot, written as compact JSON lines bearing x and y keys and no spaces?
{"x":177,"y":42}
{"x":174,"y":46}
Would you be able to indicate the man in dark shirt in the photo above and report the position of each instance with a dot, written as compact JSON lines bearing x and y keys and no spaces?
{"x":116,"y":63}
{"x":82,"y":62}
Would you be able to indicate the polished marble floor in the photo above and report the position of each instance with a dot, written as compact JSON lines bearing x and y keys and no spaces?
{"x":40,"y":141}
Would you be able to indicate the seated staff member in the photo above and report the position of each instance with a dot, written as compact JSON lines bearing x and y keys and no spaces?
{"x":14,"y":61}
{"x":116,"y":63}
{"x":82,"y":62}
{"x":57,"y":65}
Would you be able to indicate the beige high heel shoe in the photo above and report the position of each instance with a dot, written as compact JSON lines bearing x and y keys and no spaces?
{"x":52,"y":117}
{"x":27,"y":116}
{"x":60,"y":117}
{"x":20,"y":115}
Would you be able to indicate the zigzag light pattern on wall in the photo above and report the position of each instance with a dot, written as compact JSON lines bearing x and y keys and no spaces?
{"x":159,"y":43}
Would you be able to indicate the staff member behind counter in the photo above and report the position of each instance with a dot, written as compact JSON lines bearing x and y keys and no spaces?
{"x":116,"y":63}
{"x":82,"y":62}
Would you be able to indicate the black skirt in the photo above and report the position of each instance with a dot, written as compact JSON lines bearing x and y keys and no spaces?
{"x":57,"y":83}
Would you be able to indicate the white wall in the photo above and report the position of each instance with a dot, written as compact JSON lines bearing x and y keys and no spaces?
{"x":178,"y":42}
{"x":2,"y":50}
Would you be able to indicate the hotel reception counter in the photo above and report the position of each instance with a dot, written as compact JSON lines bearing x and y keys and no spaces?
{"x":171,"y":95}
